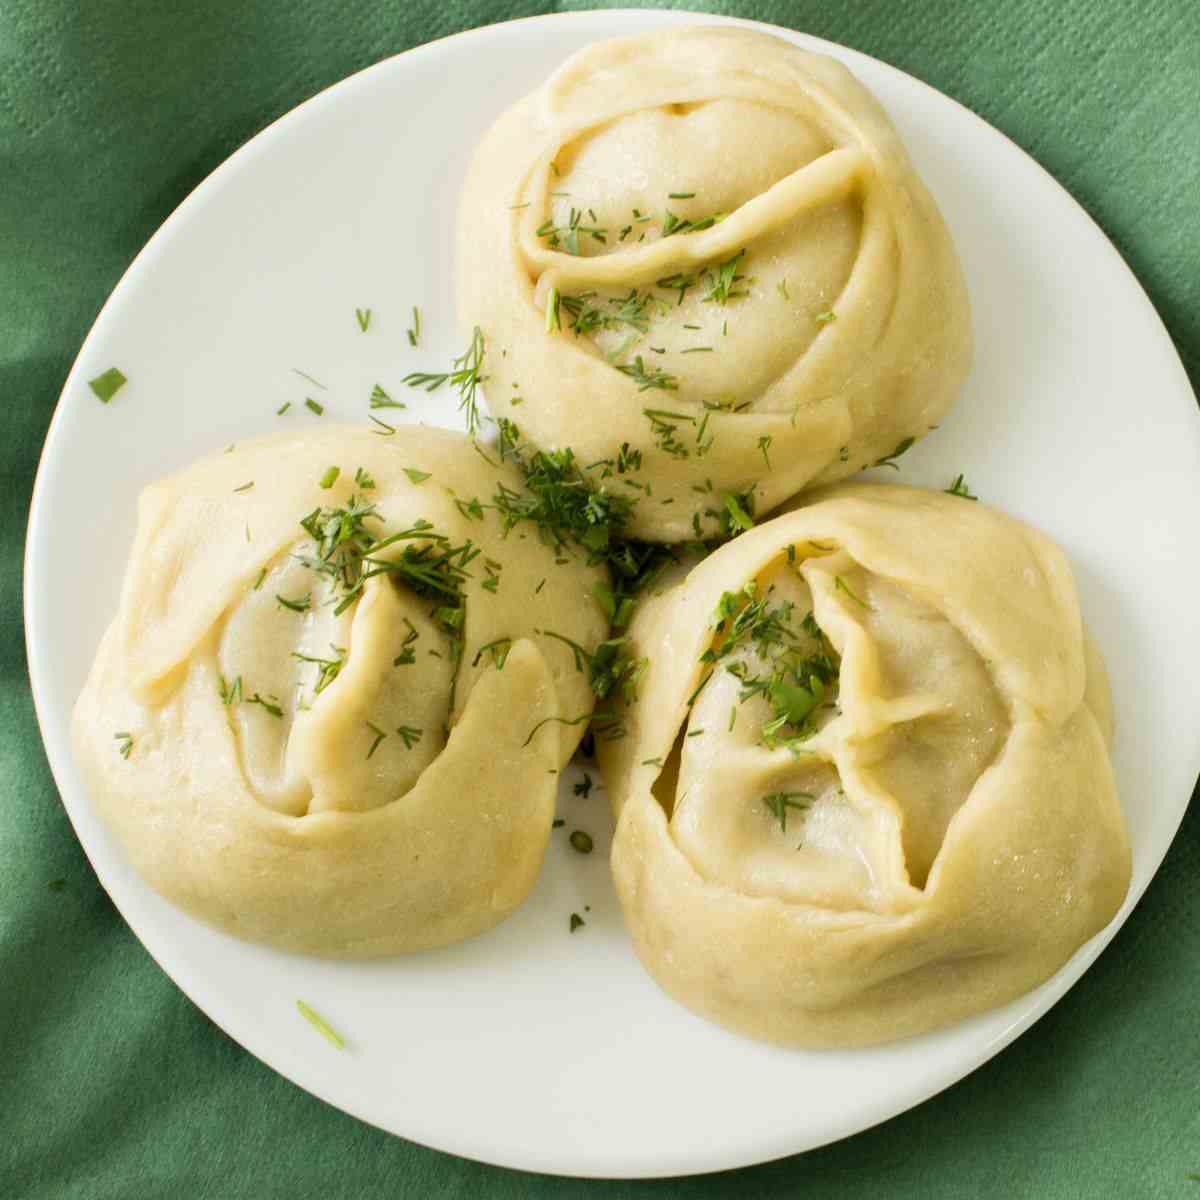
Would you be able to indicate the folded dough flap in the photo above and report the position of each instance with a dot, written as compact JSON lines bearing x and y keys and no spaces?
{"x":839,"y":791}
{"x":206,"y":533}
{"x":1006,"y":588}
{"x":336,"y":711}
{"x":762,"y":817}
{"x":921,"y":716}
{"x":703,"y":62}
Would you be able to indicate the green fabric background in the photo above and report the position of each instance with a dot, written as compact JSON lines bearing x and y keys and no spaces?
{"x":111,"y":1083}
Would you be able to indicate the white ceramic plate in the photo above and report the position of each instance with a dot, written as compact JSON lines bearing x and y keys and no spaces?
{"x":530,"y":1047}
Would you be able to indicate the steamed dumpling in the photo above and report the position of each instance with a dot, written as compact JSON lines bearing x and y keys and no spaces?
{"x":865,"y":788}
{"x":310,"y":723}
{"x":703,"y":255}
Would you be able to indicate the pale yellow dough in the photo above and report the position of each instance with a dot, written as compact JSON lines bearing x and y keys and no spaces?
{"x":961,"y":835}
{"x":280,"y":828}
{"x":846,"y":333}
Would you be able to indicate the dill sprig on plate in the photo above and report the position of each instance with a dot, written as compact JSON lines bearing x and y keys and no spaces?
{"x":465,"y":374}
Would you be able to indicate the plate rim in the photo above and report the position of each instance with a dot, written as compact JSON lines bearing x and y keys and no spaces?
{"x":59,"y":754}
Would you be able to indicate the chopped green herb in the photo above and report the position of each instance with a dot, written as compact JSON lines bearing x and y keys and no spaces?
{"x":379,"y":736}
{"x":328,"y":669}
{"x":283,"y":408}
{"x":466,"y":374}
{"x":552,"y":314}
{"x":414,"y":331}
{"x":259,"y":581}
{"x":107,"y":384}
{"x":330,"y":477}
{"x":840,"y":585}
{"x":723,"y":281}
{"x":380,"y":399}
{"x":409,"y":735}
{"x":778,"y":804}
{"x":959,"y":488}
{"x":363,"y":480}
{"x":647,"y":379}
{"x":301,"y":605}
{"x":384,"y":430}
{"x":888,"y":460}
{"x":417,"y":476}
{"x":823,"y":318}
{"x":363,"y":316}
{"x":567,"y":236}
{"x":313,"y":406}
{"x":581,"y":841}
{"x":245,"y":487}
{"x":672,"y":224}
{"x":680,"y":195}
{"x":679,"y":282}
{"x":499,"y":649}
{"x":267,"y":704}
{"x":314,"y":382}
{"x":577,"y":922}
{"x":737,"y":519}
{"x":125,"y":748}
{"x":230,"y":693}
{"x":320,"y":1025}
{"x":764,"y":444}
{"x":584,"y":788}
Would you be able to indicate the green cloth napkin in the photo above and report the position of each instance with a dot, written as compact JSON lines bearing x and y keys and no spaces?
{"x":111,"y":1083}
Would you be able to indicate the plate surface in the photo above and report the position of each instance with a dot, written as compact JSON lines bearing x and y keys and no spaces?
{"x":530,"y":1047}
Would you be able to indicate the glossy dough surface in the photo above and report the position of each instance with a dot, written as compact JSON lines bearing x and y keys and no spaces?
{"x":936,"y":837}
{"x":807,"y":332}
{"x":278,"y":815}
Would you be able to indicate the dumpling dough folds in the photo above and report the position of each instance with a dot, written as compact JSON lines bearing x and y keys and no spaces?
{"x":935,"y":834}
{"x":336,"y":782}
{"x":708,"y":247}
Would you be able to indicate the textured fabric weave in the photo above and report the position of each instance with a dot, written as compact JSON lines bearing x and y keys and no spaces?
{"x":112,"y":1085}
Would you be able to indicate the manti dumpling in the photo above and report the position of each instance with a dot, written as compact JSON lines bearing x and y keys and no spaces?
{"x":865,"y":789}
{"x":703,"y":254}
{"x":310,"y":722}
